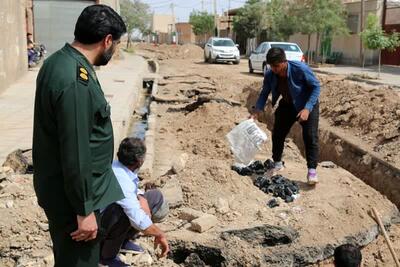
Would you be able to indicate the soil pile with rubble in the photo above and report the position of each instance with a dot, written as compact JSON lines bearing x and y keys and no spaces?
{"x":164,"y":52}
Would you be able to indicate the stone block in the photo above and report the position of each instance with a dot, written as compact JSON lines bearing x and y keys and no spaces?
{"x":172,"y":192}
{"x":204,"y":223}
{"x":189,"y":214}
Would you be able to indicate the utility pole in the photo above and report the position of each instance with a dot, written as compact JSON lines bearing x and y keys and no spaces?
{"x":384,"y":14}
{"x":361,"y":29}
{"x":202,"y":5}
{"x":173,"y":33}
{"x":229,"y":19}
{"x":215,"y":18}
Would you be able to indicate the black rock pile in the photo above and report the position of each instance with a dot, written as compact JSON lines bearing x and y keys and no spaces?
{"x":278,"y":186}
{"x":256,"y":167}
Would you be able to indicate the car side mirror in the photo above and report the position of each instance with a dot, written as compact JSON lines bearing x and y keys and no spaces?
{"x":208,"y":45}
{"x":237,"y":45}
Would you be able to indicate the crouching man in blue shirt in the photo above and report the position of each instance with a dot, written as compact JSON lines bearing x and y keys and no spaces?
{"x":136,"y":212}
{"x":300,"y":89}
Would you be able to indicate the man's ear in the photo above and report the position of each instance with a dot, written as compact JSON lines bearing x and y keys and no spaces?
{"x":107,"y":41}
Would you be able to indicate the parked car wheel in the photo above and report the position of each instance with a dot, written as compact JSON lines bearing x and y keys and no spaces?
{"x":236,"y":62}
{"x":264,"y":67}
{"x":251,"y":70}
{"x":210,"y":60}
{"x":205,"y":58}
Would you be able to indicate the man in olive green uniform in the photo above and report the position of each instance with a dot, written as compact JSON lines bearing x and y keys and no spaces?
{"x":73,"y":139}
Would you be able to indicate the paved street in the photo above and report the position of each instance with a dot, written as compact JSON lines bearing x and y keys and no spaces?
{"x":121,"y":82}
{"x":390,"y":75}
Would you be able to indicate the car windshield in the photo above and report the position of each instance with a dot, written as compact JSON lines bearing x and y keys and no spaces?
{"x":223,"y":42}
{"x":287,"y":47}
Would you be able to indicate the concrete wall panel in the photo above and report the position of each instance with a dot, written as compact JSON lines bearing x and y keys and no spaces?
{"x":13,"y":52}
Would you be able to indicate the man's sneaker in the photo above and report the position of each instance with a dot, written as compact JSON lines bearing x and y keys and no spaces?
{"x":312,"y":177}
{"x":130,"y":247}
{"x":279,"y":166}
{"x":115,"y":262}
{"x":273,"y":167}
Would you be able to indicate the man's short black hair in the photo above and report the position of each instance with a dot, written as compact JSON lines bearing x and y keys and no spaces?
{"x":347,"y":255}
{"x":131,"y":150}
{"x":96,"y":22}
{"x":276,"y":55}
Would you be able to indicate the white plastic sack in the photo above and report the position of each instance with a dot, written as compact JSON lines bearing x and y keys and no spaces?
{"x":246,"y":140}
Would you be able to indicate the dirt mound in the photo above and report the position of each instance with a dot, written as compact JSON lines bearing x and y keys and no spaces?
{"x":373,"y":114}
{"x":164,"y":51}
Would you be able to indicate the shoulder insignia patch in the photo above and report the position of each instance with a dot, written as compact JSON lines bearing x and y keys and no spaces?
{"x":83,"y":75}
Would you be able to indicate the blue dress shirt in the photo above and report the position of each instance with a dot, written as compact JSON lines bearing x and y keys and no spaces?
{"x":129,"y":181}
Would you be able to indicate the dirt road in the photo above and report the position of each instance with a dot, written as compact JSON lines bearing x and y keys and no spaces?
{"x":330,"y":214}
{"x":218,"y":217}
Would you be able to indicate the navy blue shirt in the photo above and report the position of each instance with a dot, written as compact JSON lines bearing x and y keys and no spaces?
{"x":303,"y":86}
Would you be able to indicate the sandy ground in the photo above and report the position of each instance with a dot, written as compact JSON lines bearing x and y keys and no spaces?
{"x":192,"y":140}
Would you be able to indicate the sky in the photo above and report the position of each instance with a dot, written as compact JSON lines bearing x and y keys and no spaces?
{"x":184,"y":7}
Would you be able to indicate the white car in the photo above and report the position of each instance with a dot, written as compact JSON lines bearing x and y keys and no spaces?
{"x":221,"y":50}
{"x":258,"y":58}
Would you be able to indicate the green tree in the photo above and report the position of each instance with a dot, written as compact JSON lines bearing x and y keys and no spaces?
{"x":326,"y":18}
{"x":249,"y":21}
{"x":280,"y":19}
{"x":136,"y":15}
{"x":375,"y":38}
{"x":202,"y":22}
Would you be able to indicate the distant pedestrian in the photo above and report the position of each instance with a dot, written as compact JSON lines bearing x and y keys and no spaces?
{"x":299,"y":88}
{"x":73,"y":139}
{"x":347,"y":256}
{"x":136,"y":212}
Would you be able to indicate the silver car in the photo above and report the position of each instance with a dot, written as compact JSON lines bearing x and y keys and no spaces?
{"x":221,"y":50}
{"x":258,"y":58}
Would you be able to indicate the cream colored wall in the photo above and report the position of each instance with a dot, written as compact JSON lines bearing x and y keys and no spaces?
{"x":160,"y":23}
{"x":13,"y":50}
{"x":112,"y":3}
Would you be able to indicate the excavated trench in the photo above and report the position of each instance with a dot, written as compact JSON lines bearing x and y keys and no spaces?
{"x":367,"y":166}
{"x":278,"y":241}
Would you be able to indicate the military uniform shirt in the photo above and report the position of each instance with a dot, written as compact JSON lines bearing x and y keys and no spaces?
{"x":73,"y":138}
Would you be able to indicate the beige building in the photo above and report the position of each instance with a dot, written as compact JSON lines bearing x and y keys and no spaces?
{"x":13,"y":49}
{"x":162,"y":26}
{"x":349,"y":45}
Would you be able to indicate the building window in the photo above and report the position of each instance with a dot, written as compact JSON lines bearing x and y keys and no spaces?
{"x":352,"y":23}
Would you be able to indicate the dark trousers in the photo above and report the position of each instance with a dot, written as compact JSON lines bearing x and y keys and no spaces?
{"x":117,"y":227}
{"x":67,"y":252}
{"x":285,"y":117}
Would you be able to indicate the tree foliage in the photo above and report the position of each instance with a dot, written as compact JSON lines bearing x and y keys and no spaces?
{"x":280,"y":20}
{"x":374,"y":37}
{"x":249,"y":21}
{"x":136,"y":15}
{"x":202,"y":22}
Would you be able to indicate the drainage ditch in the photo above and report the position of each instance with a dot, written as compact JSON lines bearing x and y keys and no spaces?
{"x":365,"y":165}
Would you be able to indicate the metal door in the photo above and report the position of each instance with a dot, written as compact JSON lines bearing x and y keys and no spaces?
{"x":55,"y":21}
